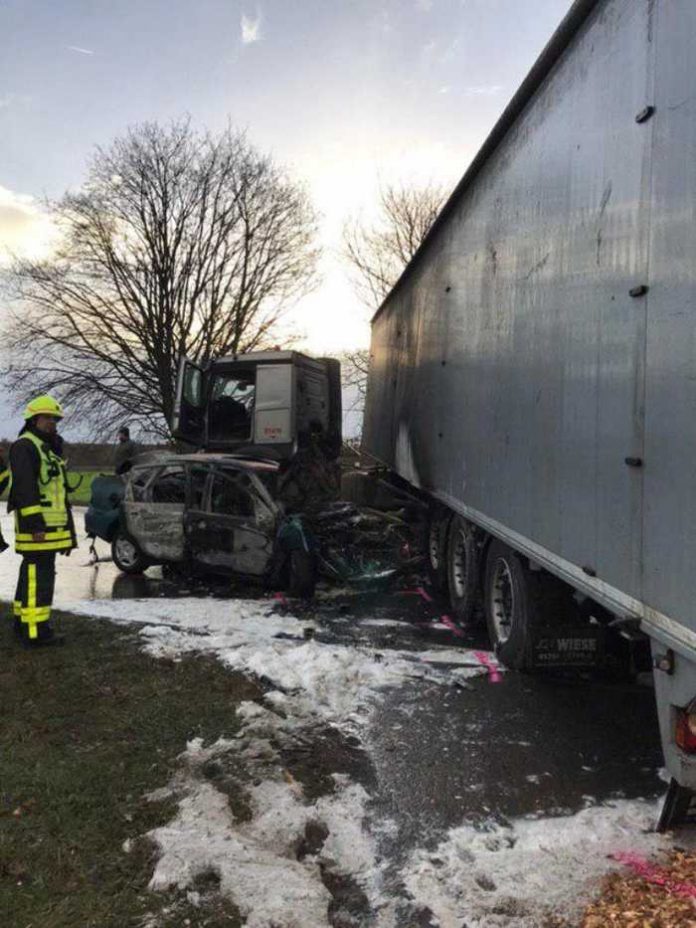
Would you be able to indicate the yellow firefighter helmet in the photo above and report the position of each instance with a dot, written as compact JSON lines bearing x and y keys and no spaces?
{"x":43,"y":406}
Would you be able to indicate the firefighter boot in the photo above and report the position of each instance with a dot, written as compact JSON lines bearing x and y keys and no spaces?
{"x":46,"y":638}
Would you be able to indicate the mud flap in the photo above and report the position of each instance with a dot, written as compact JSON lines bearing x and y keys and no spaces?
{"x":679,"y":807}
{"x":568,"y":646}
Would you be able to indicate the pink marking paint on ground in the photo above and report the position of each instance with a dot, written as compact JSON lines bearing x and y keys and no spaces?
{"x":655,"y":875}
{"x":445,"y":619}
{"x":493,"y":671}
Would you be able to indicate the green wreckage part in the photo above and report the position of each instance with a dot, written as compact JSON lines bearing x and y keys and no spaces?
{"x":292,"y":535}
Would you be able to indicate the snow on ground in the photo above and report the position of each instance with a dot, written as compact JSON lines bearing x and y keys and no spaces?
{"x":516,"y":874}
{"x":504,"y":876}
{"x":257,"y":859}
{"x":499,"y":876}
{"x":315,"y":683}
{"x":335,"y":682}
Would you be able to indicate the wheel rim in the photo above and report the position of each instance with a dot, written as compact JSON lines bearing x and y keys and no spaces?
{"x":460,"y":565}
{"x":502,"y":605}
{"x":126,"y":552}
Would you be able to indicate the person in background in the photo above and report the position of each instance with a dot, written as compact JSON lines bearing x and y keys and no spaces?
{"x":125,"y":451}
{"x":43,"y":520}
{"x":4,"y":480}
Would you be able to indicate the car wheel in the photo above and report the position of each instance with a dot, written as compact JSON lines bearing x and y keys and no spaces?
{"x":126,"y":554}
{"x":302,"y":570}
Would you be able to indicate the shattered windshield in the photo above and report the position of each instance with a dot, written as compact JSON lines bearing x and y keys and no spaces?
{"x":232,"y":405}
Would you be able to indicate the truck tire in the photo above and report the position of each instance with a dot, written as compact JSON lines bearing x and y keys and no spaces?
{"x":302,"y":573}
{"x":511,"y":606}
{"x":126,"y":554}
{"x":462,"y":569}
{"x":438,"y":528}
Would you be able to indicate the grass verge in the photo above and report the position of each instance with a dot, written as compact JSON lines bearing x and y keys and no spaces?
{"x":82,"y":481}
{"x":86,"y":731}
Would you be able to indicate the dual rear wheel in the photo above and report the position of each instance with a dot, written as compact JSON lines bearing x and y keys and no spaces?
{"x":493,"y":575}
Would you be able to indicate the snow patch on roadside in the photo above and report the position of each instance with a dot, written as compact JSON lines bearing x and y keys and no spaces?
{"x":258,"y":861}
{"x":384,"y":623}
{"x":483,"y":877}
{"x":514,"y":875}
{"x":253,"y":861}
{"x":336,"y":683}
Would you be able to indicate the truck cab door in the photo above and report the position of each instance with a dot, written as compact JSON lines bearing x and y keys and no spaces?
{"x":189,"y":419}
{"x":275,"y":407}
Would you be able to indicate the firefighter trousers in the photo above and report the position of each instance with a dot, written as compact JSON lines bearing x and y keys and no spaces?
{"x":34,"y":596}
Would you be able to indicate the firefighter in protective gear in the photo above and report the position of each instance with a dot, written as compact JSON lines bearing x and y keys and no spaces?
{"x":43,"y":521}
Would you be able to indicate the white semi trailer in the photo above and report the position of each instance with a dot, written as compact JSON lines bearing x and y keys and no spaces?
{"x":533,"y":372}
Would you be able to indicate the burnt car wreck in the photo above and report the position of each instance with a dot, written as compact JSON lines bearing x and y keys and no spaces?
{"x":206,"y":513}
{"x":259,"y":499}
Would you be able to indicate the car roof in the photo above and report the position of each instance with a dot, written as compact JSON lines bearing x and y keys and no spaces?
{"x":228,"y":460}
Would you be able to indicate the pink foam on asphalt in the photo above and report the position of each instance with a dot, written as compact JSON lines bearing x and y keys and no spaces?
{"x":652,"y":874}
{"x":445,"y":619}
{"x":493,"y":672}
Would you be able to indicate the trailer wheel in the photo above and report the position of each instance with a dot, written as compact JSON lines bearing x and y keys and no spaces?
{"x":438,"y":529}
{"x":462,"y":568}
{"x":510,"y":604}
{"x":126,"y":554}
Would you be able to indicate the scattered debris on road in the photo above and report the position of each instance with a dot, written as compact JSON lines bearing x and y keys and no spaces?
{"x":361,"y":546}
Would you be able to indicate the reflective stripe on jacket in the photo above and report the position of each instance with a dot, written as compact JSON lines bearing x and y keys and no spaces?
{"x":39,"y":497}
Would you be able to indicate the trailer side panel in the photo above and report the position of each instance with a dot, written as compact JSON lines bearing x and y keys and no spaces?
{"x":508,"y":366}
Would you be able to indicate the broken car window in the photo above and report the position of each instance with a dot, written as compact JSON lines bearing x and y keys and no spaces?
{"x":139,"y":478}
{"x":169,"y":486}
{"x":231,"y":406}
{"x":228,"y":497}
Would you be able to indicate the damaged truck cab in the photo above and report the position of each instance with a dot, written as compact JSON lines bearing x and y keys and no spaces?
{"x":258,"y":404}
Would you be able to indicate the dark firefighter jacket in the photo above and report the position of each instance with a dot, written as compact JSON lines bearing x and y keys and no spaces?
{"x":4,"y":475}
{"x":26,"y":490}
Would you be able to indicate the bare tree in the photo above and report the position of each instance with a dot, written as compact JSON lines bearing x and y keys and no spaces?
{"x":179,"y":243}
{"x":355,"y":366}
{"x":378,"y":253}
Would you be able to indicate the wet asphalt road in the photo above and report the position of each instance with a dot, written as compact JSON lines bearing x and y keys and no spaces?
{"x":529,"y":745}
{"x":437,"y":756}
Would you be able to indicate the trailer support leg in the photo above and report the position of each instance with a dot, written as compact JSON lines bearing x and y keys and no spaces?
{"x":679,"y":807}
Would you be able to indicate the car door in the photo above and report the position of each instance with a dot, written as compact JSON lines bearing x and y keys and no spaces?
{"x":154,"y":511}
{"x":235,"y":531}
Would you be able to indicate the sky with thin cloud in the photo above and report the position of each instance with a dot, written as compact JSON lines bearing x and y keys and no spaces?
{"x":345,"y":93}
